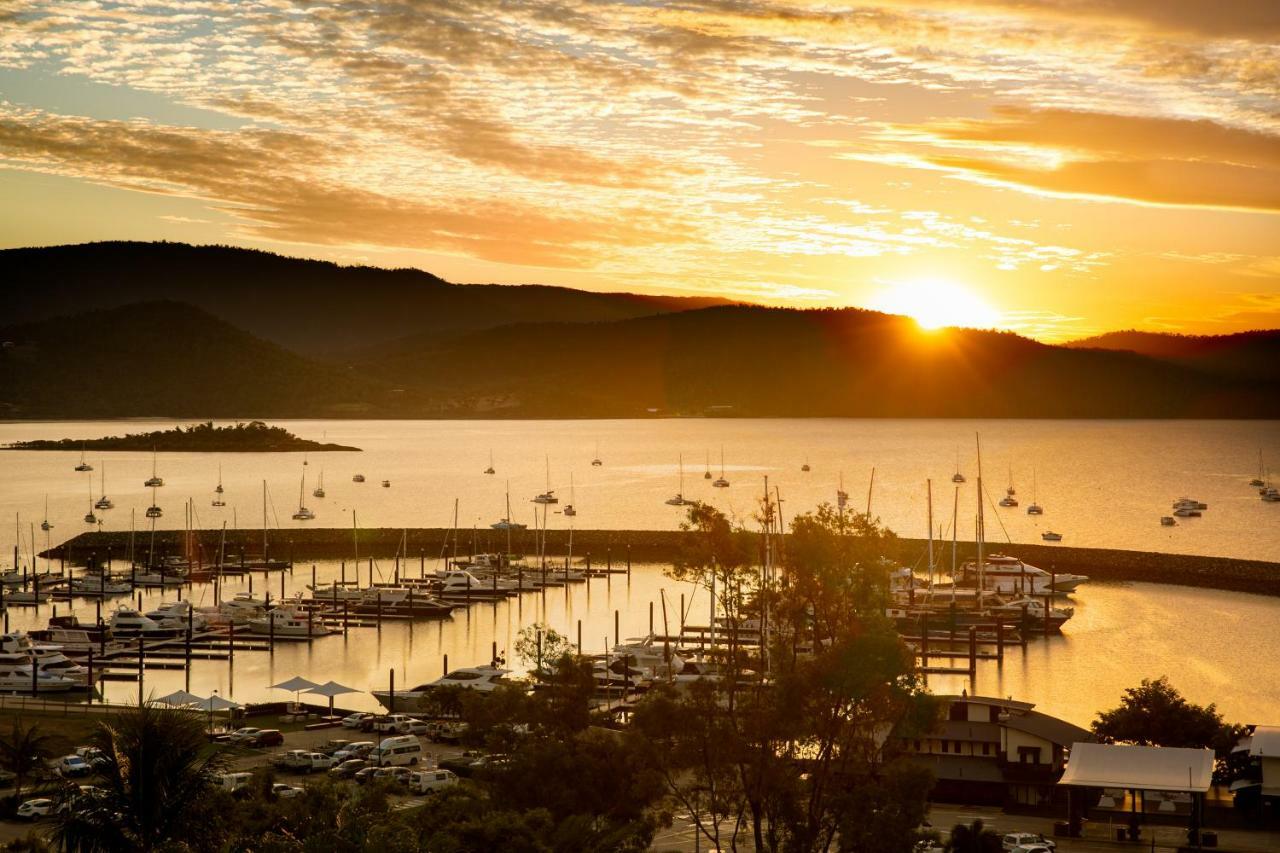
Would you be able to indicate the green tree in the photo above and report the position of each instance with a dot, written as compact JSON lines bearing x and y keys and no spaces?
{"x":24,"y":752}
{"x":1156,"y":714}
{"x":158,"y":776}
{"x":539,"y":646}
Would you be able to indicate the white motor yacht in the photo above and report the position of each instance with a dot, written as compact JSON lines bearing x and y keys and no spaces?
{"x":1050,"y":536}
{"x":16,"y":677}
{"x":508,"y":524}
{"x":178,"y":613}
{"x":126,"y":621}
{"x":335,"y":591}
{"x":461,"y":582}
{"x":484,"y":679}
{"x":288,"y":621}
{"x":1010,"y":576}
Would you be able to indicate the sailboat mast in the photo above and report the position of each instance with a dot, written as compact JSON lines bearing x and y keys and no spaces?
{"x":980,"y":532}
{"x":929,"y":492}
{"x":955,"y":518}
{"x":264,"y":521}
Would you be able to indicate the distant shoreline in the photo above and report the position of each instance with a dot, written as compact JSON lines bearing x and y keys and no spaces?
{"x":658,"y":546}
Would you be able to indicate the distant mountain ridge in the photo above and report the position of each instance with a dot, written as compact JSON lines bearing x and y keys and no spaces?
{"x":316,"y":308}
{"x":473,"y":351}
{"x":1249,"y":355}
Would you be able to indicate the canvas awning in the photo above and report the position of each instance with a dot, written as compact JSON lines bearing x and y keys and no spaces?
{"x":1147,"y":768}
{"x":180,"y":699}
{"x":1265,"y":742}
{"x":295,"y":684}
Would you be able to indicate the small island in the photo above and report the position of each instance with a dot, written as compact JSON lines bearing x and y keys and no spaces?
{"x":251,"y":437}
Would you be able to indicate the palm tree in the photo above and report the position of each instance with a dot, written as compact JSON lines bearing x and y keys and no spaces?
{"x":24,"y":751}
{"x":159,"y":780}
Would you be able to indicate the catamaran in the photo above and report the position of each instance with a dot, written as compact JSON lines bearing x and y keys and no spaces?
{"x":549,"y":496}
{"x":89,"y":517}
{"x":957,"y":477}
{"x":1034,"y":508}
{"x":1260,"y":480}
{"x":805,"y":466}
{"x":679,"y":499}
{"x":217,"y":492}
{"x":595,"y":462}
{"x":303,"y":514}
{"x":490,"y":469}
{"x":104,"y":502}
{"x":154,"y":510}
{"x":721,"y":483}
{"x":569,"y":508}
{"x":318,"y":491}
{"x":155,"y":479}
{"x":46,"y":525}
{"x":83,"y":466}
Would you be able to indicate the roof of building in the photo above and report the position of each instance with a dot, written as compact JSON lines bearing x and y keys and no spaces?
{"x":967,"y":730}
{"x":961,"y":768}
{"x":1265,"y":742}
{"x":991,"y":700}
{"x":1150,"y":768}
{"x":1049,"y":728}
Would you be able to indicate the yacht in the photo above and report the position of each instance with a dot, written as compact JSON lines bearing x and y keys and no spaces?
{"x":1008,"y":500}
{"x":15,"y":677}
{"x":46,"y":525}
{"x":679,"y":499}
{"x":508,"y":524}
{"x":596,"y":461}
{"x":218,"y":489}
{"x":1259,"y":481}
{"x":100,"y":585}
{"x":1186,"y":512}
{"x":647,"y":653}
{"x":318,"y":491}
{"x":90,"y":518}
{"x":1168,"y":521}
{"x":1034,"y":508}
{"x":154,"y":510}
{"x":27,"y":596}
{"x":957,"y":477}
{"x":490,"y":469}
{"x":721,"y":482}
{"x":335,"y":591}
{"x":1010,"y":491}
{"x":1270,"y":494}
{"x":569,"y":508}
{"x":386,"y":484}
{"x":178,"y":613}
{"x":104,"y":502}
{"x":455,"y":582}
{"x":1035,"y":610}
{"x":805,"y":467}
{"x":547,"y":497}
{"x":1189,"y":503}
{"x":286,"y":621}
{"x":1009,"y":575}
{"x":242,"y":607}
{"x":484,"y":679}
{"x":17,"y":648}
{"x":358,"y":478}
{"x":1050,"y":536}
{"x":303,"y":514}
{"x":155,"y":479}
{"x":126,"y":621}
{"x":83,"y":466}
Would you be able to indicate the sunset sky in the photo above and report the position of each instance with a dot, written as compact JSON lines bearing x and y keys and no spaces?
{"x":1056,"y":167}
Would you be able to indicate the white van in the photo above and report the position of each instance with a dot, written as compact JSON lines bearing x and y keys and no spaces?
{"x":427,"y":781}
{"x":235,"y":781}
{"x":397,"y":751}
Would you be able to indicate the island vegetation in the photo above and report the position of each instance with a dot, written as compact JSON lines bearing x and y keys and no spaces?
{"x":251,"y":437}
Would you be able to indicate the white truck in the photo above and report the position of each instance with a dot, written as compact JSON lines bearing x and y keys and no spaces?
{"x":430,"y":781}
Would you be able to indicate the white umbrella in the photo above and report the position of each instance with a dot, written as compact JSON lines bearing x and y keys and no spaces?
{"x":181,"y":699}
{"x":331,"y":689}
{"x":296,"y":684}
{"x":217,"y":703}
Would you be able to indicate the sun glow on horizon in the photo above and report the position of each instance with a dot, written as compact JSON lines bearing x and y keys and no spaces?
{"x":936,"y":303}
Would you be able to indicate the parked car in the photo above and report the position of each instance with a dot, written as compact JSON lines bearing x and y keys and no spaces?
{"x":359,"y":749}
{"x":92,"y":755}
{"x":285,"y":792}
{"x":398,"y":776}
{"x":266,"y":737}
{"x":1031,"y":848}
{"x":243,"y":735}
{"x":417,"y":727}
{"x":1013,"y":840}
{"x":430,"y":781}
{"x":36,"y":809}
{"x":356,"y":720}
{"x":348,"y":768}
{"x":71,"y":766}
{"x":446,"y":732}
{"x":331,"y":747}
{"x":393,"y":724}
{"x":462,"y":764}
{"x":363,"y":776}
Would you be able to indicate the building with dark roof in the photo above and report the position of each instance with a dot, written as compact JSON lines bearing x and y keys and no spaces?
{"x":990,"y":751}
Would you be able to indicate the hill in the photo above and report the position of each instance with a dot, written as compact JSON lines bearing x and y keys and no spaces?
{"x":1244,"y":355}
{"x":752,"y":361}
{"x":172,"y":360}
{"x":315,"y":308}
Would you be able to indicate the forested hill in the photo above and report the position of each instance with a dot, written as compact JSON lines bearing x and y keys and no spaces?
{"x":1249,"y":355}
{"x":315,"y":308}
{"x":752,"y":361}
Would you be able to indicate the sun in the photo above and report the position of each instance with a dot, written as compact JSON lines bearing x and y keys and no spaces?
{"x":934,"y":303}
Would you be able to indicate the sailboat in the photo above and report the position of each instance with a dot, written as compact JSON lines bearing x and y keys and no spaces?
{"x":721,"y":482}
{"x":569,"y":508}
{"x":549,"y":496}
{"x":805,"y":467}
{"x":155,"y":479}
{"x":1009,"y":499}
{"x":303,"y":514}
{"x":89,"y":517}
{"x":505,"y":523}
{"x":357,"y":478}
{"x":679,"y":499}
{"x":104,"y":502}
{"x":218,"y":489}
{"x":83,"y":466}
{"x":318,"y":492}
{"x":957,"y":477}
{"x":1259,"y":481}
{"x":46,"y":525}
{"x":490,"y":469}
{"x":1034,"y":508}
{"x":842,"y":497}
{"x":154,"y":510}
{"x":596,"y":461}
{"x":707,"y":474}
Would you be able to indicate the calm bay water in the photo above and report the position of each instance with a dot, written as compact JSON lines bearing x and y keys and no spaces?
{"x":1102,"y":484}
